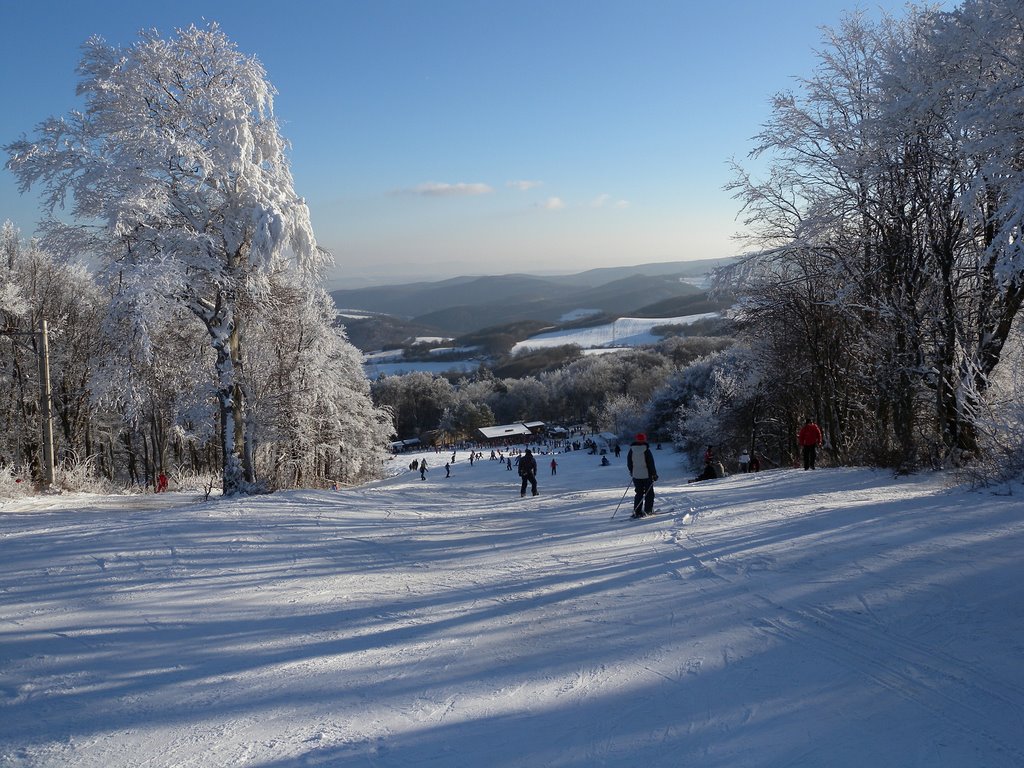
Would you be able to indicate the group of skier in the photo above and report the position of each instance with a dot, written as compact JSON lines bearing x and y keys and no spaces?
{"x":642,"y":469}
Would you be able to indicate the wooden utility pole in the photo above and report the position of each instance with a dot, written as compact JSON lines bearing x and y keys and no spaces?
{"x":46,"y":410}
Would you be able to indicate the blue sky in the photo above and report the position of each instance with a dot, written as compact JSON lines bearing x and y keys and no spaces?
{"x":440,"y":137}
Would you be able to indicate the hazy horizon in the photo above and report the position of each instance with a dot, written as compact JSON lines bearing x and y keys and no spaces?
{"x":449,"y":270}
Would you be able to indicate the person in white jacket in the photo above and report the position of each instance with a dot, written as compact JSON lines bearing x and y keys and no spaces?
{"x":744,"y":462}
{"x":640,"y":463}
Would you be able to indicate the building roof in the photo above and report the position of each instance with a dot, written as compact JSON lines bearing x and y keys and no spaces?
{"x":505,"y":430}
{"x":397,"y":444}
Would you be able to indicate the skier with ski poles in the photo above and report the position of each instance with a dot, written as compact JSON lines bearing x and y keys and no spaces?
{"x":640,"y":463}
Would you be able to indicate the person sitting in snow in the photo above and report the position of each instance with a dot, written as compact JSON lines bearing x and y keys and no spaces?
{"x":708,"y":473}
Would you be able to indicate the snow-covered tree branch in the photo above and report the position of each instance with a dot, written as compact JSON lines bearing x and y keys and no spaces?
{"x":176,"y":179}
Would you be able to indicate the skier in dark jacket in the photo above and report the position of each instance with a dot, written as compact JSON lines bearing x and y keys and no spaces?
{"x":528,"y":471}
{"x":640,"y":462}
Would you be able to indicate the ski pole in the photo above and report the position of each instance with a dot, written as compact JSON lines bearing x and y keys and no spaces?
{"x":620,"y":501}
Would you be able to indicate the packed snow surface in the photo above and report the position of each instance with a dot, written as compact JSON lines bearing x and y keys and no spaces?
{"x":830,"y":618}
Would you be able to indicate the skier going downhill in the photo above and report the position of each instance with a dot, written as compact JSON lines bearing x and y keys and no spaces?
{"x":528,"y":471}
{"x":640,"y":462}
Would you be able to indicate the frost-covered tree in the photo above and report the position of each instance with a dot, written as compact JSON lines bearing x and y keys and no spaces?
{"x":833,"y":250}
{"x":16,"y":404}
{"x":723,"y":400}
{"x":180,"y":186}
{"x":621,"y":415}
{"x":468,"y":409}
{"x":316,"y":422}
{"x":152,"y":372}
{"x":582,"y":387}
{"x":979,"y":51}
{"x":461,"y":419}
{"x":12,"y":303}
{"x":525,"y":399}
{"x":416,"y":399}
{"x":36,"y":286}
{"x":889,"y":227}
{"x":1001,"y":422}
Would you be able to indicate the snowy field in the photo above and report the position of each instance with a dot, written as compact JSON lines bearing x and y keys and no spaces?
{"x":619,"y":335}
{"x":835,"y":618}
{"x":623,"y":332}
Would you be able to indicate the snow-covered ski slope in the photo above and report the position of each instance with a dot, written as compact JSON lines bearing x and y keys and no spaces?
{"x":834,"y":618}
{"x":622,"y":332}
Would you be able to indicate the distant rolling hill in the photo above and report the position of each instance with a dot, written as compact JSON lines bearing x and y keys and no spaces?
{"x":467,"y":304}
{"x":618,"y":297}
{"x":687,"y":269}
{"x":416,"y":299}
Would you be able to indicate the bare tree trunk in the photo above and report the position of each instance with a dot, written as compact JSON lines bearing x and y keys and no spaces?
{"x":133,"y":473}
{"x":230,"y":412}
{"x":220,"y":322}
{"x":244,"y":440}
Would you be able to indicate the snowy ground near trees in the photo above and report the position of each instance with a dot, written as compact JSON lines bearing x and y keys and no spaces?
{"x":829,"y":618}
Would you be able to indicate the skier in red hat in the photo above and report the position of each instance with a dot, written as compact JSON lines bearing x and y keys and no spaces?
{"x":640,"y":463}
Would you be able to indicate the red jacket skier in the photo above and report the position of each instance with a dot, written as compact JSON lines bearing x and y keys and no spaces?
{"x":809,"y":439}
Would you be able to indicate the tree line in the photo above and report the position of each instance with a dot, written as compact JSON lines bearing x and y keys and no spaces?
{"x":621,"y":392}
{"x":886,"y":273}
{"x":209,"y":340}
{"x":132,"y":402}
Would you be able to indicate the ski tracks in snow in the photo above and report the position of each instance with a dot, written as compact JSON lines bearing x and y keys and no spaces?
{"x":918,"y":674}
{"x":960,"y":695}
{"x":754,"y":621}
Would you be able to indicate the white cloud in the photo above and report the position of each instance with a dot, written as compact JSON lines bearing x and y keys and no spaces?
{"x":553,"y":204}
{"x":524,"y":185}
{"x":443,"y":189}
{"x":606,"y":201}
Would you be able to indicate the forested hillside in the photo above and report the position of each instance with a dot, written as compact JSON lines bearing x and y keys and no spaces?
{"x":465,"y":305}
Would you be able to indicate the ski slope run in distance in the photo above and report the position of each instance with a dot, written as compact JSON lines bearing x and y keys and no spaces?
{"x":623,"y":332}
